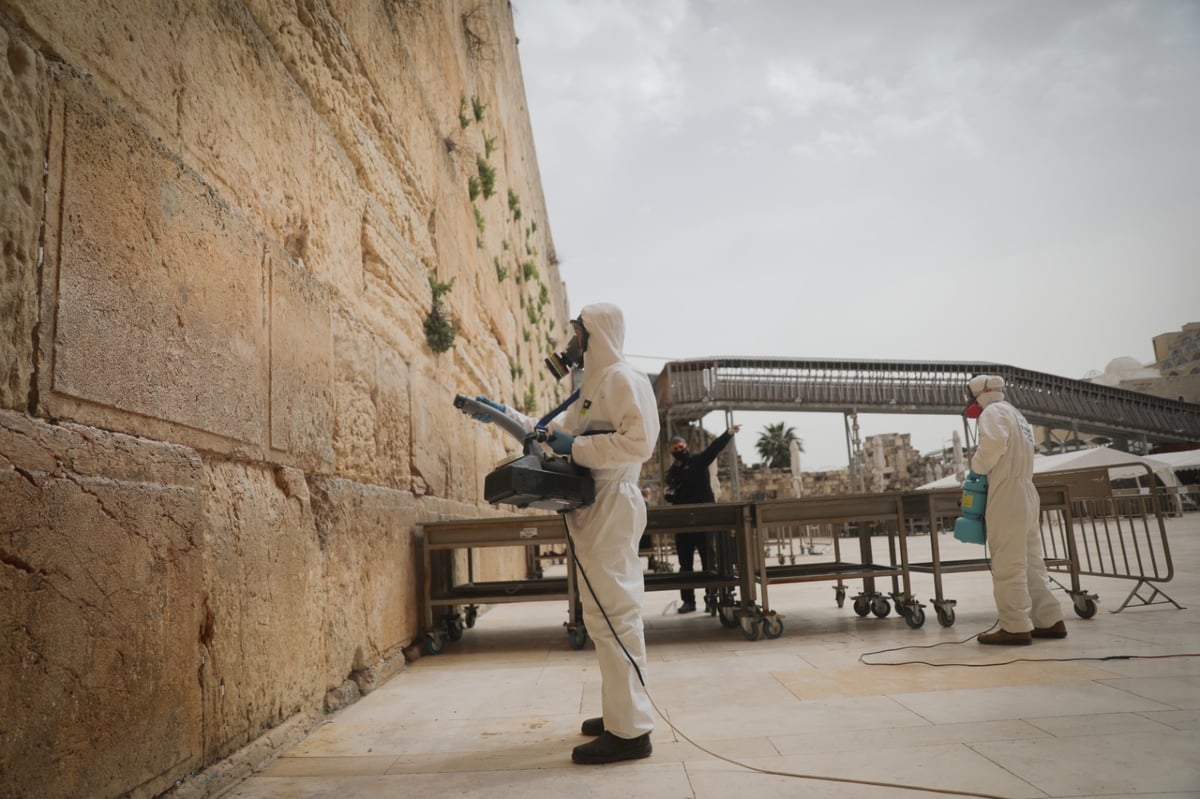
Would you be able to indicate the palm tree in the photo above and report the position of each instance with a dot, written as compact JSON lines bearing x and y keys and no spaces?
{"x":775,"y":445}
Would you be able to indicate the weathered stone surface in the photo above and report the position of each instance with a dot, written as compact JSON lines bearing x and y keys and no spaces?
{"x":100,"y":573}
{"x":24,"y":115}
{"x":263,"y":603}
{"x":161,"y":307}
{"x":301,"y":366}
{"x":433,"y":433}
{"x":245,"y":202}
{"x":371,"y":426}
{"x":370,"y":574}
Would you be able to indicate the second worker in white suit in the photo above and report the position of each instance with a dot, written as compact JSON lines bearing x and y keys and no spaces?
{"x":611,"y":429}
{"x":1025,"y":606}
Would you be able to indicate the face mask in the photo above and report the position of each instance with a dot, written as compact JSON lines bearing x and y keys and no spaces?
{"x":973,"y":408}
{"x":560,"y":364}
{"x":682,"y":455}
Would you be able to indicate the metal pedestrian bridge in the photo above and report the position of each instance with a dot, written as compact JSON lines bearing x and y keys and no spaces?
{"x":690,"y":389}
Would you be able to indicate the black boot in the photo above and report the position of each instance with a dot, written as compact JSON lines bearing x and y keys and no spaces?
{"x":593,"y":727}
{"x":608,"y":748}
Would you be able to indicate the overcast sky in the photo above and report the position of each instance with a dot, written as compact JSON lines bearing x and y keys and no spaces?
{"x":1014,"y":182}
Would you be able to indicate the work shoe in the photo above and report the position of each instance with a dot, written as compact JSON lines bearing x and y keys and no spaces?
{"x":608,"y":748}
{"x":593,"y":727}
{"x":1056,"y":630}
{"x":687,"y":607}
{"x":1003,"y":637}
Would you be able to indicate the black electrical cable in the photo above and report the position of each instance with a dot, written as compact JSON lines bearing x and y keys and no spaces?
{"x":731,"y":761}
{"x":596,"y":599}
{"x":1004,"y":662}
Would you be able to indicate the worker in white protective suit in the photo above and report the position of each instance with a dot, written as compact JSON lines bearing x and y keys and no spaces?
{"x":1025,"y":606}
{"x":611,"y":429}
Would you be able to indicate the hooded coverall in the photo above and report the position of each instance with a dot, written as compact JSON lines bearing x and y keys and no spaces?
{"x":1005,"y":455}
{"x":616,"y":421}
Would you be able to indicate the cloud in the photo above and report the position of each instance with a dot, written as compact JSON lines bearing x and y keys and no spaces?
{"x":852,"y":180}
{"x":802,"y":89}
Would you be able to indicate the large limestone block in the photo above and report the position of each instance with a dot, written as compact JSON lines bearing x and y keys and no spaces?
{"x":301,"y":365}
{"x":372,"y":428}
{"x":437,"y":432}
{"x":24,"y":115}
{"x":370,"y":583}
{"x":262,"y":608}
{"x":171,"y":317}
{"x":161,"y":308}
{"x":100,"y":586}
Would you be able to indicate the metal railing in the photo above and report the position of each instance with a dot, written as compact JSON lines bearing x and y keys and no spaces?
{"x":1118,"y":533}
{"x":692,"y":388}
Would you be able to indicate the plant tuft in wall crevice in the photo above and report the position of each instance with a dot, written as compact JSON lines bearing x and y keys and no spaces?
{"x":440,"y":329}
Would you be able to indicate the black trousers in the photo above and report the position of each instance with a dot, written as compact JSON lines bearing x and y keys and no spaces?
{"x":686,"y":546}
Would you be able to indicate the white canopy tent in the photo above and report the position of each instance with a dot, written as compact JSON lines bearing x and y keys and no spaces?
{"x":1083,"y":459}
{"x":1180,"y":461}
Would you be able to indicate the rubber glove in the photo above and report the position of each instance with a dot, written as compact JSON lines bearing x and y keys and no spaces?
{"x":561,"y":442}
{"x":487,"y":417}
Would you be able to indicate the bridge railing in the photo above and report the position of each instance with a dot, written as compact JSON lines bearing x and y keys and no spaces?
{"x":693,"y":387}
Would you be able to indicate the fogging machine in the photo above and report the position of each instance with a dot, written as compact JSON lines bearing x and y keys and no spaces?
{"x":536,"y":478}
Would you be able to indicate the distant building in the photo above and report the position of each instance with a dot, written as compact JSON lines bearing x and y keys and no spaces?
{"x":1175,"y":374}
{"x":1178,"y":364}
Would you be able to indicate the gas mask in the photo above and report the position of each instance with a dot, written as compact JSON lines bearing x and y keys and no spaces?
{"x":560,"y":364}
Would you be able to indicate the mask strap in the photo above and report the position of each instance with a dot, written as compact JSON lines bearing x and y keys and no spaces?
{"x":545,"y":420}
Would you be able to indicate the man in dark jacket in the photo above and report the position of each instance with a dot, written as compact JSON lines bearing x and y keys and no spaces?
{"x":688,"y":484}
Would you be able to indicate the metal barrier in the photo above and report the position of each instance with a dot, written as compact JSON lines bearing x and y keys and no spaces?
{"x":938,"y":509}
{"x":1119,"y":533}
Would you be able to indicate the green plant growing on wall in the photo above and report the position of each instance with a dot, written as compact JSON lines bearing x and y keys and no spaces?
{"x":530,"y":398}
{"x":525,"y":334}
{"x":543,"y":295}
{"x":463,"y":119}
{"x":514,"y":205}
{"x":532,"y":313}
{"x":517,"y":371}
{"x":473,"y":187}
{"x":504,"y":245}
{"x":530,"y":270}
{"x":489,"y":145}
{"x":501,"y":272}
{"x":480,"y":222}
{"x":487,"y":176}
{"x":477,"y":107}
{"x":440,"y":329}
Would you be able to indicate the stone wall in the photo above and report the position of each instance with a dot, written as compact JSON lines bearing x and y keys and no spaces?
{"x":223,"y":228}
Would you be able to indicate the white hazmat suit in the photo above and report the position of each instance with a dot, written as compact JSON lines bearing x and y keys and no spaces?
{"x":1005,"y":454}
{"x":615,"y":420}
